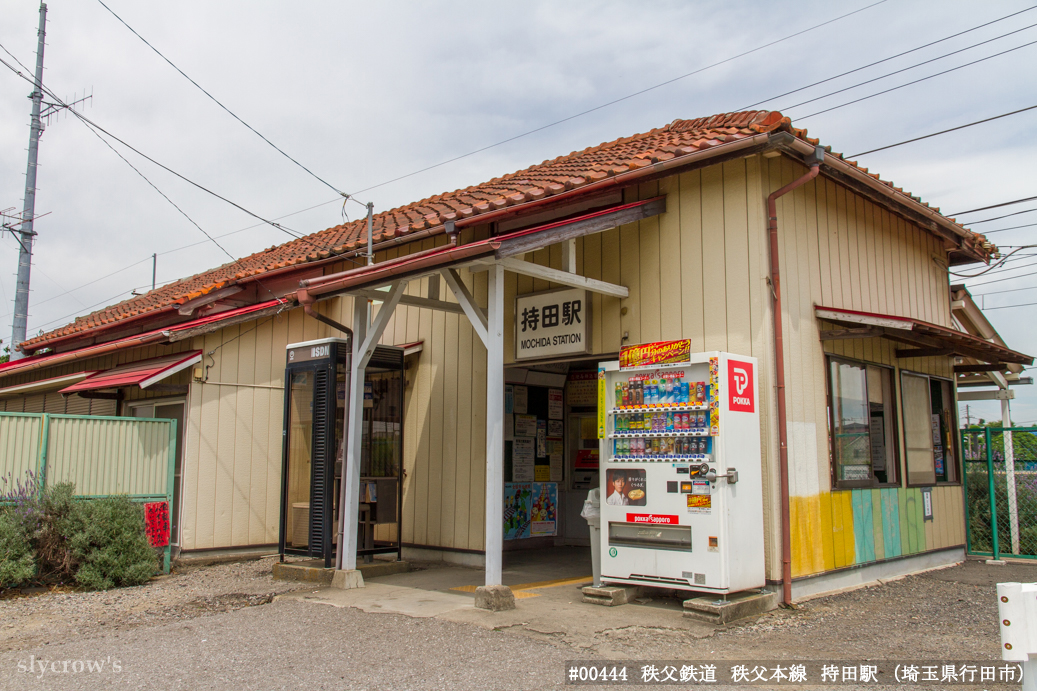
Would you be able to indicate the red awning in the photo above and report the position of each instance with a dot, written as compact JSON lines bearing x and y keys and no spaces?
{"x":142,"y":373}
{"x":927,"y":339}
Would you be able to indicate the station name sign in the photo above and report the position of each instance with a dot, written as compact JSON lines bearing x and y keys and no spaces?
{"x":551,"y":324}
{"x":659,"y":353}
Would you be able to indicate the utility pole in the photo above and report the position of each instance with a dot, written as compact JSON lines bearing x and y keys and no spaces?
{"x":21,"y":295}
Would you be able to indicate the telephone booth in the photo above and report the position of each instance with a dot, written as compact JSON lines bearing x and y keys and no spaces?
{"x":314,"y":450}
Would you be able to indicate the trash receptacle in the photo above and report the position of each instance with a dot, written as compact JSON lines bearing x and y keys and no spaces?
{"x":592,"y":513}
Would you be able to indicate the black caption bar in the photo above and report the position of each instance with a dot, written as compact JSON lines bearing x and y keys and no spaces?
{"x":921,"y":673}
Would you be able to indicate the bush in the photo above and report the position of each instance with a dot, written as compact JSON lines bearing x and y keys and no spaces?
{"x":110,"y":544}
{"x":17,"y":564}
{"x":62,"y":517}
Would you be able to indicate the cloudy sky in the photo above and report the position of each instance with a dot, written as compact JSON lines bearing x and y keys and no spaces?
{"x":363,"y":93}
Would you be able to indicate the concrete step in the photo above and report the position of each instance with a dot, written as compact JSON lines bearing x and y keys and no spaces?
{"x":716,"y":609}
{"x":611,"y":595}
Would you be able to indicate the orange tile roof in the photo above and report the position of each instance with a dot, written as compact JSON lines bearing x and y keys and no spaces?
{"x":577,"y":169}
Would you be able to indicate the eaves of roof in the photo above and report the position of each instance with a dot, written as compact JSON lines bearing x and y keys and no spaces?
{"x":620,"y":162}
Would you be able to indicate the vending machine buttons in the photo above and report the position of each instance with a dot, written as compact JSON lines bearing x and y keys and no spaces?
{"x":686,"y":487}
{"x":671,"y":486}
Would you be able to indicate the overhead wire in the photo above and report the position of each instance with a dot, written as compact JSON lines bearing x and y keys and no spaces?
{"x":916,"y":81}
{"x":998,"y":206}
{"x":1028,"y":225}
{"x":618,"y":100}
{"x":952,"y":129}
{"x":217,"y":102}
{"x":891,"y":57}
{"x":998,"y":218}
{"x":905,"y":69}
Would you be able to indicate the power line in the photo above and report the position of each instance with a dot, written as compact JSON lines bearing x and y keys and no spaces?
{"x":998,"y":292}
{"x":997,"y":206}
{"x":618,"y":100}
{"x":952,"y":129}
{"x":1004,"y":307}
{"x":916,"y":81}
{"x":1028,"y":225}
{"x":1006,"y":278}
{"x":217,"y":102}
{"x":998,"y":218}
{"x":294,"y":234}
{"x":909,"y":67}
{"x":891,"y":57}
{"x":1000,"y":262}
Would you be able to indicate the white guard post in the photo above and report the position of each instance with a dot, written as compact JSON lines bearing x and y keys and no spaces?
{"x":1017,"y":610}
{"x":364,"y":342}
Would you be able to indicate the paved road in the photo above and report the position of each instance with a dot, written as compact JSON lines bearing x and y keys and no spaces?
{"x":296,"y":645}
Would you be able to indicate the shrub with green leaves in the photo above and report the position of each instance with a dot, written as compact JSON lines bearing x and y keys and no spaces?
{"x":110,"y":544}
{"x":17,"y":564}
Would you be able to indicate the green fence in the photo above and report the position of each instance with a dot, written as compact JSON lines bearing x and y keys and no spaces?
{"x":1001,"y":491}
{"x":102,"y":455}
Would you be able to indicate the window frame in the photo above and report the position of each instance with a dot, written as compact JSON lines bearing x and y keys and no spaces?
{"x":951,"y":405}
{"x":895,"y":462}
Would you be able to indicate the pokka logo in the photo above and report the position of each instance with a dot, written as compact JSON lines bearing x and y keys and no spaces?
{"x":740,"y":382}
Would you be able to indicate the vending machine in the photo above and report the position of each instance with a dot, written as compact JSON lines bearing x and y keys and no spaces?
{"x":682,"y":489}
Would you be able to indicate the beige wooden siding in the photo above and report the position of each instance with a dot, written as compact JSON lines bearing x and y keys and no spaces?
{"x":841,"y":250}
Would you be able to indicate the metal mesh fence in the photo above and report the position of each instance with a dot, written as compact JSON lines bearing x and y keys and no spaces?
{"x":1011,"y":481}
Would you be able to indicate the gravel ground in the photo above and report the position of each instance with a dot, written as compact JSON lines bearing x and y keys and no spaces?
{"x":196,"y":630}
{"x":186,"y":593}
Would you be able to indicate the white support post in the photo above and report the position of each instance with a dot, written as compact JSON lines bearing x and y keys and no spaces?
{"x":1013,"y":507}
{"x":495,"y":426}
{"x":364,"y":342}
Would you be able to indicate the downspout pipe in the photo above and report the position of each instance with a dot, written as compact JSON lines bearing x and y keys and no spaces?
{"x":814,"y":161}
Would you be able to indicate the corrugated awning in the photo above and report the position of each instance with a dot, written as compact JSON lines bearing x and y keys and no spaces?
{"x":142,"y":373}
{"x":45,"y":385}
{"x":929,"y":340}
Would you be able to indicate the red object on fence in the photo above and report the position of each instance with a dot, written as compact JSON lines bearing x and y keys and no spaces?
{"x":156,"y":523}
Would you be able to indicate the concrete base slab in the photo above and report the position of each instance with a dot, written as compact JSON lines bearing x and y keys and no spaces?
{"x":304,"y":572}
{"x":379,"y":597}
{"x":715,"y":610}
{"x":314,"y":572}
{"x":996,"y":562}
{"x":347,"y":579}
{"x":612,"y":595}
{"x":496,"y":598}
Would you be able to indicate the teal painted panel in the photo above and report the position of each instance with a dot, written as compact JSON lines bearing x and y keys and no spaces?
{"x":891,"y":522}
{"x":867,"y":525}
{"x":912,"y":523}
{"x":860,"y":529}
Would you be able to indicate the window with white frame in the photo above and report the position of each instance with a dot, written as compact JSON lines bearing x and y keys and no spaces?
{"x":928,"y":429}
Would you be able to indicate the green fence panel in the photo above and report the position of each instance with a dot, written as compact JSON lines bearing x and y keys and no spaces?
{"x":1001,"y":498}
{"x":21,"y":441}
{"x":101,"y":455}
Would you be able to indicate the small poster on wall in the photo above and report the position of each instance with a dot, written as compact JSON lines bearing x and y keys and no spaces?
{"x":541,"y":438}
{"x":544,"y":509}
{"x":542,"y":473}
{"x":509,"y":399}
{"x":517,"y":501}
{"x":521,"y":399}
{"x":555,"y":429}
{"x":555,"y":409}
{"x":556,"y":454}
{"x":509,"y":426}
{"x":522,"y":459}
{"x":525,"y":425}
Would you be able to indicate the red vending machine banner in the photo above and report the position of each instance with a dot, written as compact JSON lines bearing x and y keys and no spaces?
{"x":660,"y":353}
{"x":740,"y":385}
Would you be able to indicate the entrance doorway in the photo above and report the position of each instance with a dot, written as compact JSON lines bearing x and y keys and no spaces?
{"x":168,"y":410}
